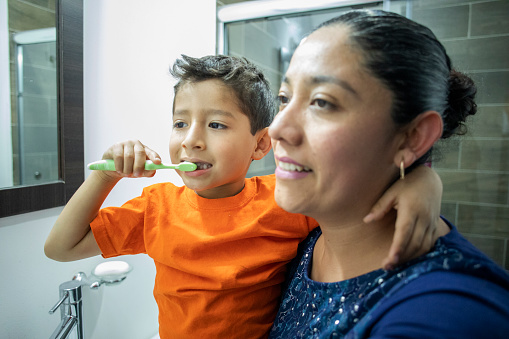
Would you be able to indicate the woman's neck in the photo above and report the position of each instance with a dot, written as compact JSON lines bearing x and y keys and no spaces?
{"x":351,"y":249}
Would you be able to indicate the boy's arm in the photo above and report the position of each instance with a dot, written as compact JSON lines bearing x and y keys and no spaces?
{"x":417,"y":200}
{"x":71,"y":237}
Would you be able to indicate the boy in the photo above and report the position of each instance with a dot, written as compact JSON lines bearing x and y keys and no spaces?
{"x":220,"y":243}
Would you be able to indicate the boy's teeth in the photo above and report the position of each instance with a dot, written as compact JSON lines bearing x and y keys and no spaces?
{"x":202,"y":165}
{"x":292,"y":167}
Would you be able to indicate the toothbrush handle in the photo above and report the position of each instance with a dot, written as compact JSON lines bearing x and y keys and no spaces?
{"x":109,"y":165}
{"x":102,"y":165}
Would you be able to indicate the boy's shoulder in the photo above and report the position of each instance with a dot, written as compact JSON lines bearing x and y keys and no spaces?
{"x":262,"y":183}
{"x":164,"y":188}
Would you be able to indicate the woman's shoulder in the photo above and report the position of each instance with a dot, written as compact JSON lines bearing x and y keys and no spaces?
{"x":453,"y":252}
{"x":443,"y":304}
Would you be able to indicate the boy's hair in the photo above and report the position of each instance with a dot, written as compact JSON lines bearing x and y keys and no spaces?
{"x":245,"y":79}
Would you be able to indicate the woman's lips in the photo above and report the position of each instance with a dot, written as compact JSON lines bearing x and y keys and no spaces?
{"x":290,"y":169}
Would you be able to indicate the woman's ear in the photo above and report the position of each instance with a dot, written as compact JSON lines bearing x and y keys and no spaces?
{"x":263,"y":145}
{"x":420,"y":136}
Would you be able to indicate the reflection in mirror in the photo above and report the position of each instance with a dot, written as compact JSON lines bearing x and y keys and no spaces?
{"x":35,"y":145}
{"x":41,"y":147}
{"x":29,"y":119}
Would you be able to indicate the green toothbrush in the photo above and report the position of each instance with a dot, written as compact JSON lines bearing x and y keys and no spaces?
{"x":109,"y":165}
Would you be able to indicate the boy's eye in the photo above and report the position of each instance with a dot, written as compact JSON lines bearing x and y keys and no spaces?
{"x":217,"y":125}
{"x":179,"y":124}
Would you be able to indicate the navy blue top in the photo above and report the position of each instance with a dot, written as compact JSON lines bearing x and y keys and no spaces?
{"x":454,"y":291}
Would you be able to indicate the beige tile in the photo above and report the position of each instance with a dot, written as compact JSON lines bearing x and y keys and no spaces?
{"x":494,"y":248}
{"x":15,"y":136}
{"x":484,"y":220}
{"x":49,"y":4}
{"x":479,"y":54}
{"x":15,"y":169}
{"x":14,"y":109}
{"x":489,"y":122}
{"x":446,"y":23}
{"x":448,"y":211}
{"x":490,"y":18}
{"x":492,"y":87}
{"x":491,"y":155}
{"x":446,"y":154}
{"x":474,"y":187}
{"x":436,"y":3}
{"x":23,"y":16}
{"x":507,"y":254}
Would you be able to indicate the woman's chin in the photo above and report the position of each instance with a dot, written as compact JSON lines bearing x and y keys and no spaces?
{"x":289,"y":203}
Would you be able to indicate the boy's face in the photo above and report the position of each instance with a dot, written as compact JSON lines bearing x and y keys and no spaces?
{"x":210,"y":129}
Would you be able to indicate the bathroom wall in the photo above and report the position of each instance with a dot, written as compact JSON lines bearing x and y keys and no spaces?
{"x":129,"y":45}
{"x":475,"y":167}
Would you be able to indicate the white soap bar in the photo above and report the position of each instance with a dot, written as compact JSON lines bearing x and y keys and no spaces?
{"x":112,"y":268}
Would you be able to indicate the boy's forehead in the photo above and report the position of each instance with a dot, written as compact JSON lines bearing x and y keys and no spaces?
{"x":208,"y":95}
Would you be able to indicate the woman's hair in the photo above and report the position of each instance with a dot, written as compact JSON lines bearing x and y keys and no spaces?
{"x":413,"y":64}
{"x":245,"y":79}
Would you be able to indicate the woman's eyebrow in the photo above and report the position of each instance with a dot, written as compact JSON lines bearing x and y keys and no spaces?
{"x":328,"y":79}
{"x":320,"y":79}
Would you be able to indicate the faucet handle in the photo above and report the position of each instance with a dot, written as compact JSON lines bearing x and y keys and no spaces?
{"x":57,"y":305}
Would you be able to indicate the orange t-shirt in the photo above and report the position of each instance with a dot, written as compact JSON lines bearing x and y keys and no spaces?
{"x":219,"y":262}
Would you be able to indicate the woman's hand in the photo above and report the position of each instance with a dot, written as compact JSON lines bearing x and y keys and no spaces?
{"x":129,"y":158}
{"x":417,"y":200}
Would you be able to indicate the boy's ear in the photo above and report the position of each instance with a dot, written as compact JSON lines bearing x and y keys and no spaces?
{"x":419,"y":137}
{"x":263,"y":145}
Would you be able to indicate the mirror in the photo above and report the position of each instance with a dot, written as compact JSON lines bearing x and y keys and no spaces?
{"x":69,"y":123}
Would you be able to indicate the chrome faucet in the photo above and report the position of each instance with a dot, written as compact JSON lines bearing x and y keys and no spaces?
{"x":71,"y":310}
{"x":71,"y":303}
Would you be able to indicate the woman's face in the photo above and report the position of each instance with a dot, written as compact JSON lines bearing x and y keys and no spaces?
{"x":333,"y":138}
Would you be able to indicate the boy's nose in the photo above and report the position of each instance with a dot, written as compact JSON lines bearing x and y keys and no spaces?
{"x":194,"y":139}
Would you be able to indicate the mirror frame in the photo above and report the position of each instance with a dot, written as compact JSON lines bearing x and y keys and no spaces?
{"x":23,"y":199}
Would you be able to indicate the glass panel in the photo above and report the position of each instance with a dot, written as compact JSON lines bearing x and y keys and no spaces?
{"x":37,"y":114}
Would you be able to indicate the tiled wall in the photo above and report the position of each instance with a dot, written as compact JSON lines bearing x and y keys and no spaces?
{"x":27,"y":15}
{"x":475,"y":167}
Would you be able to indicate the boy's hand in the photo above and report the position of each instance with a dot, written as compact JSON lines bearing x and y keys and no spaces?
{"x":129,"y":157}
{"x":417,"y":200}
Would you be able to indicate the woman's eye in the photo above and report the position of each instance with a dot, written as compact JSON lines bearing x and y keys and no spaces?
{"x":216,"y":125}
{"x":179,"y":124}
{"x":282,"y":99}
{"x":322,"y":104}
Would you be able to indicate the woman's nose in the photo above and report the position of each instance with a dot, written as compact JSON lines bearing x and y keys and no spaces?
{"x":286,"y":126}
{"x":194,"y":139}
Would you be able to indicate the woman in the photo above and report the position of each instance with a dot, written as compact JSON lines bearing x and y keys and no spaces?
{"x":365,"y":97}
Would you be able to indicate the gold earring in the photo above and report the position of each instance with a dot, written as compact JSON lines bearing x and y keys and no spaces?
{"x":402,"y":170}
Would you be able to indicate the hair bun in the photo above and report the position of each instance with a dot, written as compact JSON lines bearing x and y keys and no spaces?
{"x":461,"y":103}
